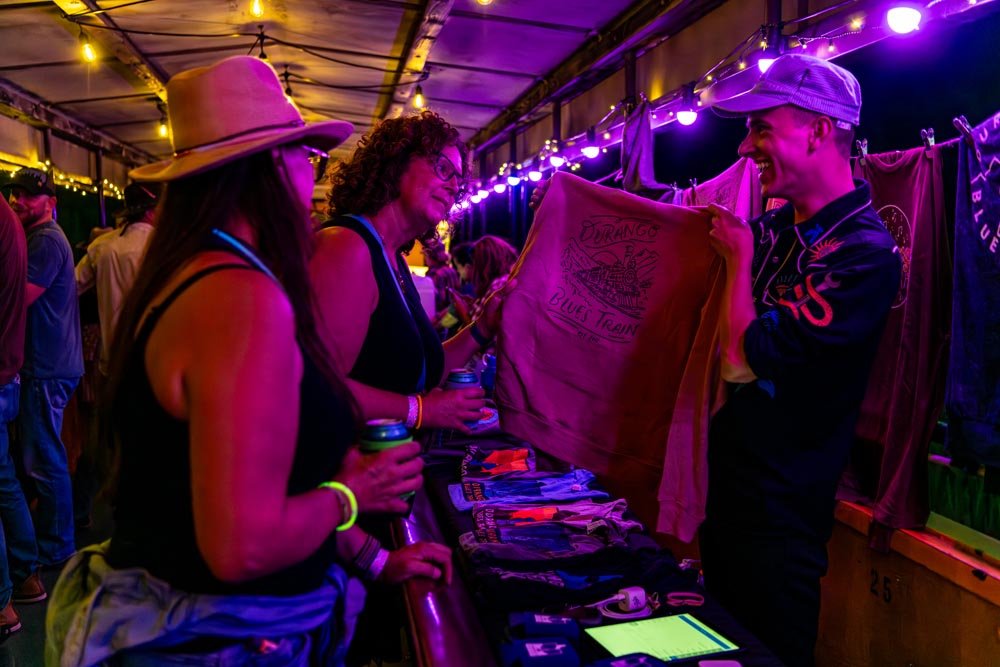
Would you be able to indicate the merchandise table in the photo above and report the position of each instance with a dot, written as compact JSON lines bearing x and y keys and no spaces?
{"x":465,"y":623}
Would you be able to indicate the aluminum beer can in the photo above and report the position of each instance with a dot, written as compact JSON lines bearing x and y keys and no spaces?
{"x":382,"y":434}
{"x":460,"y":378}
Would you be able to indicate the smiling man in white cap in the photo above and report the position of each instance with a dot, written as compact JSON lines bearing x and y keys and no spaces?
{"x":808,"y":289}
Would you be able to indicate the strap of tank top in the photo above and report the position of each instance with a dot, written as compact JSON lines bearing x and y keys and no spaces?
{"x":157,"y":311}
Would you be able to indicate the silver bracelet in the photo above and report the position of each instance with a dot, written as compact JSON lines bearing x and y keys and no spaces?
{"x":411,"y":411}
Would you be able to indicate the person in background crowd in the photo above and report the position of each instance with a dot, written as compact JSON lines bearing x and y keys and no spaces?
{"x":109,"y":266}
{"x":400,"y":182}
{"x":445,"y":280}
{"x":236,"y":485}
{"x":492,"y":260}
{"x":439,"y":270}
{"x":808,"y":289}
{"x":53,"y":361}
{"x":112,"y":260}
{"x":19,"y":581}
{"x":461,"y":260}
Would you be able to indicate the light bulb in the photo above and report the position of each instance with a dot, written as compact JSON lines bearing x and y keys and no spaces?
{"x":687,"y":117}
{"x":590,"y":152}
{"x":483,"y":194}
{"x":500,"y":188}
{"x":513,"y":180}
{"x":89,"y":54}
{"x":163,"y":129}
{"x":485,"y":3}
{"x":418,"y":98}
{"x":475,"y":199}
{"x":765,"y":64}
{"x":557,"y":161}
{"x":465,"y":203}
{"x":534,"y":175}
{"x":903,"y":20}
{"x":256,"y":9}
{"x":857,"y":24}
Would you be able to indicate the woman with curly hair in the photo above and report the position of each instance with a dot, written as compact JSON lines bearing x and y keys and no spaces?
{"x":402,"y":179}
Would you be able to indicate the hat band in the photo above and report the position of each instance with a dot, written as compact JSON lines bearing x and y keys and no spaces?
{"x":279,"y":126}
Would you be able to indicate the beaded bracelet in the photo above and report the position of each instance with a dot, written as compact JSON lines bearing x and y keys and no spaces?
{"x":352,"y":502}
{"x":363,"y":560}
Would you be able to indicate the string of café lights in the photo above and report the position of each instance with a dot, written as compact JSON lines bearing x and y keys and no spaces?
{"x":682,"y":105}
{"x":760,"y":47}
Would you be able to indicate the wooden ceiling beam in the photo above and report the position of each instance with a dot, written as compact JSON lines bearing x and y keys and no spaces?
{"x":30,"y":109}
{"x":415,"y":54}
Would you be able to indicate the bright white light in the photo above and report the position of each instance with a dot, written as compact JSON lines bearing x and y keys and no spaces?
{"x":483,"y":194}
{"x":534,"y":175}
{"x":557,"y":160}
{"x":591,"y":151}
{"x":513,"y":181}
{"x":765,"y":64}
{"x":903,"y":20}
{"x":500,"y":188}
{"x":475,"y":199}
{"x":687,"y":117}
{"x":465,"y":203}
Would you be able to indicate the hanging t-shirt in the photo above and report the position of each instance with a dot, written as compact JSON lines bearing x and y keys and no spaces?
{"x":737,"y":189}
{"x":906,"y":386}
{"x":973,"y":391}
{"x":574,"y":485}
{"x":638,"y":150}
{"x":613,"y":291}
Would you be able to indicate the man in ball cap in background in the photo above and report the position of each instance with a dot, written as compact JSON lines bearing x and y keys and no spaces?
{"x":53,"y":364}
{"x":808,"y":288}
{"x":112,"y":260}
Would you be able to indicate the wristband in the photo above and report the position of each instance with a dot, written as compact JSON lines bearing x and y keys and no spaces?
{"x":420,"y":412}
{"x":378,"y":564}
{"x":413,"y":403}
{"x":478,"y":336}
{"x":363,"y":560}
{"x":351,"y":500}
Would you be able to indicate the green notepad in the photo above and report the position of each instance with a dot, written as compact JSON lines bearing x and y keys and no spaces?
{"x":667,"y":638}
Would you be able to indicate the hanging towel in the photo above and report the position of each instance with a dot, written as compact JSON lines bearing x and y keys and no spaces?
{"x":612,"y":323}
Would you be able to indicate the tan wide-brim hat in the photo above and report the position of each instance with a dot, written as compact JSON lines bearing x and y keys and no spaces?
{"x":229,"y":110}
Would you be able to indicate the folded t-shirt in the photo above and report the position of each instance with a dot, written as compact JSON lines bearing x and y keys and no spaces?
{"x":574,"y":485}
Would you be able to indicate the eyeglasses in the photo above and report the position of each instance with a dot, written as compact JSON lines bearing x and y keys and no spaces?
{"x":314,"y":154}
{"x":445,"y":170}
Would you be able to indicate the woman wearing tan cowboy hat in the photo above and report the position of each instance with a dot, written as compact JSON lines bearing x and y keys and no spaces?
{"x":236,"y":483}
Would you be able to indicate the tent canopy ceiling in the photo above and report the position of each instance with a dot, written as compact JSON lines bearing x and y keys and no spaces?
{"x":360,"y":64}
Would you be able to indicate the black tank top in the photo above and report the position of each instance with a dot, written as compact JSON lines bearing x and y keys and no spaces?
{"x":400,"y":338}
{"x":154,"y":519}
